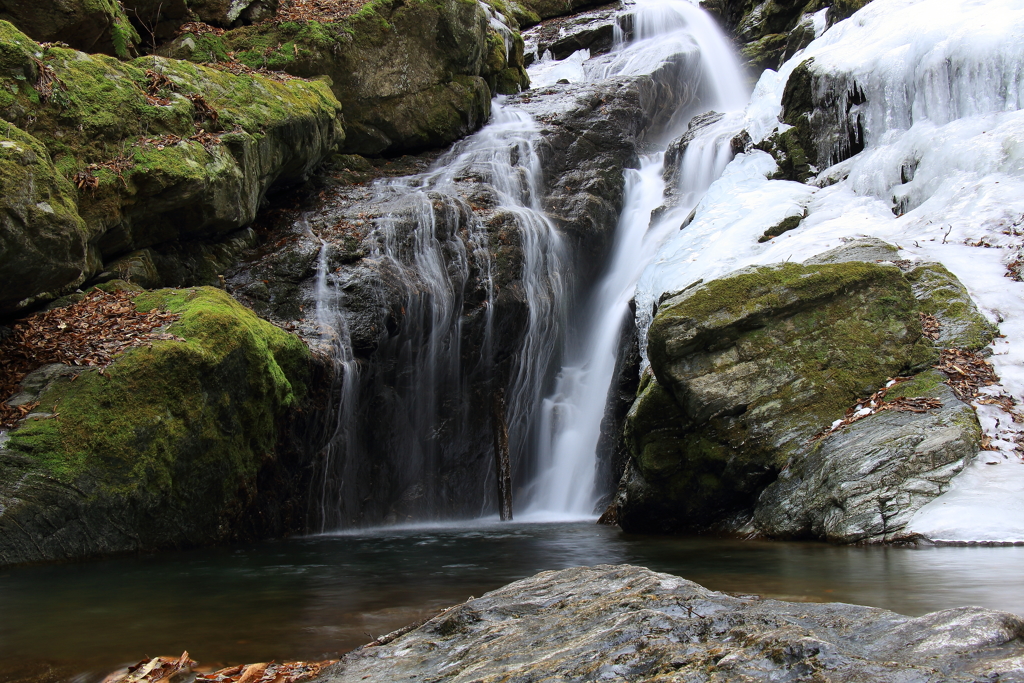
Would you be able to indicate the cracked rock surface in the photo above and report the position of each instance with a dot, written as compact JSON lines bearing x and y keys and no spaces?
{"x":626,"y":623}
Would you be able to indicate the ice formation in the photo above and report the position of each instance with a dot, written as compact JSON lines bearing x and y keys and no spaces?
{"x":940,"y":85}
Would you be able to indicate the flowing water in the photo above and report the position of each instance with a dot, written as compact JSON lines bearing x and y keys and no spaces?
{"x":315,"y":597}
{"x":566,"y":485}
{"x":426,"y":453}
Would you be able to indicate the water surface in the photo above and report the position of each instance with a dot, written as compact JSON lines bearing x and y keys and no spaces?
{"x":314,"y":597}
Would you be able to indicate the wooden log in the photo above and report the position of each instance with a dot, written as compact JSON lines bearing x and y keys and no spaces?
{"x":503,"y":467}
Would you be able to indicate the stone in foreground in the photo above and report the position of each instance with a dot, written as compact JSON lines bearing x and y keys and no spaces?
{"x":625,"y":623}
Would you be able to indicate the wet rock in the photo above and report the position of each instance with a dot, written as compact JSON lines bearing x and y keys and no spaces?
{"x":178,"y":444}
{"x":676,"y":150}
{"x":631,"y":624}
{"x":772,"y":31}
{"x":593,"y":30}
{"x":546,"y":9}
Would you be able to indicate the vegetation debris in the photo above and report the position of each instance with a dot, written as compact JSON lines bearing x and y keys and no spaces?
{"x":930,"y":326}
{"x":325,"y":11}
{"x":87,"y":333}
{"x":198,"y":28}
{"x":154,"y":670}
{"x":876,"y":403}
{"x":967,"y":372}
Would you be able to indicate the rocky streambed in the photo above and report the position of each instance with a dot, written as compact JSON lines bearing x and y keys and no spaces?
{"x":628,"y":623}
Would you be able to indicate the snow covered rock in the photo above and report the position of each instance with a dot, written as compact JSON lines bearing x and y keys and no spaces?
{"x":749,"y":372}
{"x":625,"y":623}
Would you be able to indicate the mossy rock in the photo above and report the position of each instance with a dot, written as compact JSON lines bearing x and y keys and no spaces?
{"x":410,"y":76}
{"x":87,"y":25}
{"x":44,"y":243}
{"x":757,"y":363}
{"x":145,"y":178}
{"x":961,"y":324}
{"x":164,"y":448}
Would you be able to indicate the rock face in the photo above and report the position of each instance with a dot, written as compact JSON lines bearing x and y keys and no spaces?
{"x":749,"y":372}
{"x":174,"y":445}
{"x":160,"y":150}
{"x":628,"y":623}
{"x":410,"y":76}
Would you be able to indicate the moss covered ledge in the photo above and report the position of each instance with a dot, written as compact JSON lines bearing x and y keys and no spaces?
{"x":166,"y":448}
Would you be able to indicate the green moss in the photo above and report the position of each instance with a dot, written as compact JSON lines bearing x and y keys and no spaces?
{"x":942,"y":295}
{"x":765,"y":53}
{"x":927,"y":383}
{"x":783,"y":226}
{"x":162,"y":416}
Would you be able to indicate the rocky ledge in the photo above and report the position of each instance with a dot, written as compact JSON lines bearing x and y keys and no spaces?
{"x":625,"y":623}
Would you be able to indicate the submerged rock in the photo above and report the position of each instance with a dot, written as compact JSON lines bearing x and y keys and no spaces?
{"x":628,"y":623}
{"x":751,"y":371}
{"x":177,"y":444}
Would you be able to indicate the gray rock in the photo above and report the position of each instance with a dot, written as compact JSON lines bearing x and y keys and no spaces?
{"x":229,"y":13}
{"x":867,"y":249}
{"x":624,"y":623}
{"x":865,"y":482}
{"x":38,"y":381}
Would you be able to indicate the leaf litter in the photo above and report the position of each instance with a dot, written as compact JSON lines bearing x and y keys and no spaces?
{"x":173,"y":670}
{"x":91,"y":332}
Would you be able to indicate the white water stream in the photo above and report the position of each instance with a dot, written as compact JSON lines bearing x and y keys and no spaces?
{"x":571,"y":416}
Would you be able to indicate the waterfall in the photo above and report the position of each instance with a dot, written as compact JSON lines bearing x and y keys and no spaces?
{"x":411,"y":419}
{"x":409,"y":429}
{"x":565,"y":486}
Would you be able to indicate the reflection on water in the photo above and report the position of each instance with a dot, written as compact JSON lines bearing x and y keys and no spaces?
{"x":307,"y":598}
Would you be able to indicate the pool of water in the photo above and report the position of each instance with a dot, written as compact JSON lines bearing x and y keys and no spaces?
{"x":311,"y":598}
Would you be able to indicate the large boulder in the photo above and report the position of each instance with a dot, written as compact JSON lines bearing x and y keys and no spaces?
{"x":410,"y":76}
{"x":175,"y":444}
{"x":750,"y":372}
{"x":624,"y":623}
{"x":161,"y":150}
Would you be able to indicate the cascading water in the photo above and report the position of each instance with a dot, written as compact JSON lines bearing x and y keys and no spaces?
{"x":423,"y":399}
{"x":572,"y":414}
{"x":411,"y":418}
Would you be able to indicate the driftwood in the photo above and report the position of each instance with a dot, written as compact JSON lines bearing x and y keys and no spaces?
{"x":503,"y":467}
